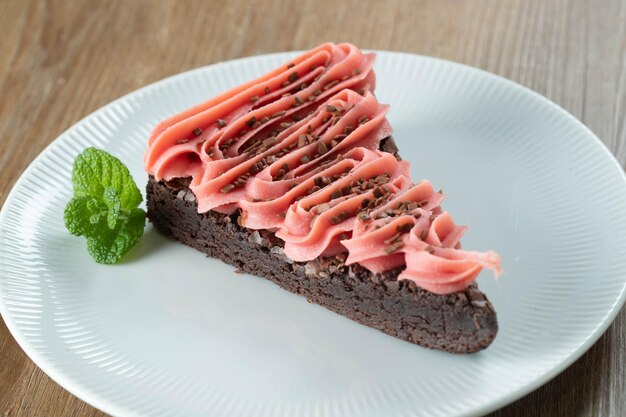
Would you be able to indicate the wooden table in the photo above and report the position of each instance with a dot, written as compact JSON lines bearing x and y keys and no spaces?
{"x":59,"y":61}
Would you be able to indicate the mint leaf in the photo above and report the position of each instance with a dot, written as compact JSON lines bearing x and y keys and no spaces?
{"x":110,"y":245}
{"x":95,"y":170}
{"x":81,"y":214}
{"x":114,"y":204}
{"x":104,"y":206}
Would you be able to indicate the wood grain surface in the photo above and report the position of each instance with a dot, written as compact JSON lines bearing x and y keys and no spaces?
{"x":61,"y":60}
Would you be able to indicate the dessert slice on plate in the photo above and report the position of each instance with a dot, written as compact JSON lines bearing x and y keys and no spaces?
{"x":294,"y":176}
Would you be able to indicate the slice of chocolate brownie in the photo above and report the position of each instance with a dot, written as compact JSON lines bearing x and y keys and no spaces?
{"x":321,"y":203}
{"x":462,"y":322}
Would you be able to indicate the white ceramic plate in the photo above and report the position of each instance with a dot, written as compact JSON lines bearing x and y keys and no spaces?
{"x":169,"y":332}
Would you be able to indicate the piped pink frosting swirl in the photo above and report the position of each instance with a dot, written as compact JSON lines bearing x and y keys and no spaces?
{"x":297,"y":151}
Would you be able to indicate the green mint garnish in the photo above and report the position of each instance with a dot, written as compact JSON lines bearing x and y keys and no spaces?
{"x":104,"y":206}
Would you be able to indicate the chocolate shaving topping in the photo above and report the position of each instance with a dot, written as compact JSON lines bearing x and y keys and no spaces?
{"x":313,"y":190}
{"x":394,"y":247}
{"x":335,"y":220}
{"x":392,"y":239}
{"x":331,"y":84}
{"x":251,"y":121}
{"x":335,"y":194}
{"x":278,"y":114}
{"x":322,"y":208}
{"x":363,"y":216}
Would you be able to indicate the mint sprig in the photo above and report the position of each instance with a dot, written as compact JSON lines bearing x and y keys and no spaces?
{"x":104,"y":208}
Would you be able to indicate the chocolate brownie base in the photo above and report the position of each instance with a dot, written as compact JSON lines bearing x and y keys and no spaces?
{"x":462,"y":322}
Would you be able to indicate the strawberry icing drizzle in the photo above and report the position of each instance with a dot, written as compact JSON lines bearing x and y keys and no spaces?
{"x":297,"y":151}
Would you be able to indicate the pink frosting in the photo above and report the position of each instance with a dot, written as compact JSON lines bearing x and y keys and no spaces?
{"x":297,"y":151}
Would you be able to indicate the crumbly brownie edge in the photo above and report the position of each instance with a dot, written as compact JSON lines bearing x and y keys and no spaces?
{"x":462,"y":322}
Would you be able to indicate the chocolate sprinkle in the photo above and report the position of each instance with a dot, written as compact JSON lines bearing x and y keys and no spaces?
{"x":335,"y":220}
{"x":322,"y":208}
{"x":278,"y":114}
{"x":392,"y":239}
{"x":392,"y":248}
{"x":335,"y":194}
{"x":331,"y":84}
{"x":363,"y":216}
{"x":251,"y":121}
